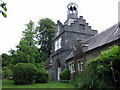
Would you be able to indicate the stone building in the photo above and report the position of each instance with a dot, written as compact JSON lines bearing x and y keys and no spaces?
{"x":91,"y":48}
{"x":66,"y":36}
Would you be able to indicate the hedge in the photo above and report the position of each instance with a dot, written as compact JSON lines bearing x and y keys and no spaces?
{"x":24,"y":73}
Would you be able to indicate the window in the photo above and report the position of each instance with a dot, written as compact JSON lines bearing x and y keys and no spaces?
{"x":80,"y":65}
{"x":71,"y":67}
{"x":58,"y":44}
{"x":50,"y":63}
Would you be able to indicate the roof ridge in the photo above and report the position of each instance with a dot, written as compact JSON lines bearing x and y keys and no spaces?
{"x":101,"y":32}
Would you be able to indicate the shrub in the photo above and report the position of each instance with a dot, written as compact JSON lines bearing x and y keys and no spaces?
{"x":107,"y":66}
{"x":24,"y":73}
{"x":88,"y":80}
{"x":41,"y":75}
{"x":102,"y":72}
{"x":65,"y":75}
{"x":7,"y":73}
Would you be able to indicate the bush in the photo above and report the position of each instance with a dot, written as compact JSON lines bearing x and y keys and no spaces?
{"x":65,"y":75}
{"x":102,"y":72}
{"x":88,"y":80}
{"x":107,"y":66}
{"x":7,"y":73}
{"x":24,"y":73}
{"x":41,"y":75}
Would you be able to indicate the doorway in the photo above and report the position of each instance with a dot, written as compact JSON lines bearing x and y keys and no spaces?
{"x":58,"y":69}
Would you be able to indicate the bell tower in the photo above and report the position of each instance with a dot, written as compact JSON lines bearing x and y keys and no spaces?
{"x":65,"y":38}
{"x":72,"y":12}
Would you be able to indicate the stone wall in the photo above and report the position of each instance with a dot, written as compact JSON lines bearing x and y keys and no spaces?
{"x":92,"y":54}
{"x":96,"y":52}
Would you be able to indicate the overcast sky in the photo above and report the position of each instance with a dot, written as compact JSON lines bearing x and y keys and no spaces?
{"x":100,"y":14}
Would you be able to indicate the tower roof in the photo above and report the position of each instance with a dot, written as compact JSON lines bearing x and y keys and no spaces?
{"x":72,"y":11}
{"x":72,"y":4}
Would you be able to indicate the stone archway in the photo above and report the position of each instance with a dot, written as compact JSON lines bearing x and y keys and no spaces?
{"x":58,"y":69}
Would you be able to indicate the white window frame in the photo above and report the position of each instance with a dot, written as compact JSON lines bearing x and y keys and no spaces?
{"x":80,"y":65}
{"x":58,"y":44}
{"x":72,"y":67}
{"x":59,"y":41}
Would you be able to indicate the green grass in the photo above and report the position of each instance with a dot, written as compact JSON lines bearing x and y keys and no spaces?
{"x":10,"y":84}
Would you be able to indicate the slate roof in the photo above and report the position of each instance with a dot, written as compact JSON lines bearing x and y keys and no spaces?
{"x":70,"y":55}
{"x":105,"y":37}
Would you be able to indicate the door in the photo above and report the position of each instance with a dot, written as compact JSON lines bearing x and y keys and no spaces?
{"x":59,"y":71}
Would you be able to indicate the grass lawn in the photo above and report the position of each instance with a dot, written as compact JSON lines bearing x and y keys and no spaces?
{"x":10,"y":84}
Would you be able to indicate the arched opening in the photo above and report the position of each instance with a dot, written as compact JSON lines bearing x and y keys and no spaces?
{"x":58,"y":68}
{"x":75,"y":8}
{"x":71,"y":8}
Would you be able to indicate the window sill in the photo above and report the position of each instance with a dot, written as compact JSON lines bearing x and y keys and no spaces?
{"x":81,"y":70}
{"x":72,"y":72}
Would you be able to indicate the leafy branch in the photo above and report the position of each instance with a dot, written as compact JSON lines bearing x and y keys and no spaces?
{"x":3,"y":6}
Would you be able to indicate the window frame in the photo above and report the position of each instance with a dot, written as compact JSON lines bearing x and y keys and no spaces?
{"x":58,"y":44}
{"x":71,"y":67}
{"x":80,"y":65}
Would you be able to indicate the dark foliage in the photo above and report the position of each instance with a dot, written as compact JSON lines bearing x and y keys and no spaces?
{"x":102,"y":72}
{"x":7,"y":73}
{"x":45,"y":32}
{"x":5,"y":59}
{"x":65,"y":75}
{"x":41,"y":75}
{"x":24,"y":73}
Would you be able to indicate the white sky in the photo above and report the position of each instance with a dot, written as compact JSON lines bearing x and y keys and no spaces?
{"x":100,"y":14}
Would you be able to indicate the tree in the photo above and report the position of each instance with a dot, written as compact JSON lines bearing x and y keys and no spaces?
{"x":27,"y":52}
{"x":45,"y":32}
{"x":5,"y":59}
{"x":3,"y":6}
